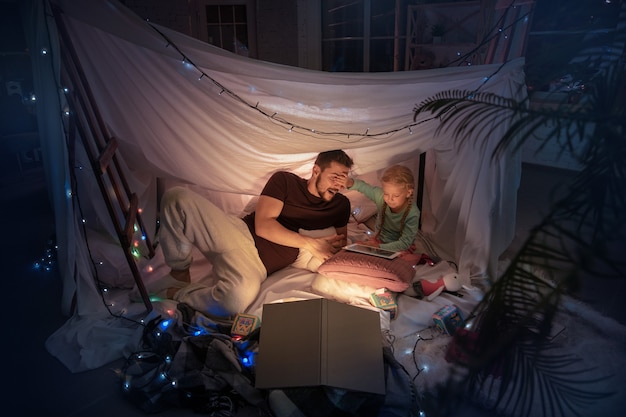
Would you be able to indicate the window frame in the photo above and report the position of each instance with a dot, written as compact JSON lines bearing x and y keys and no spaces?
{"x":250,"y":20}
{"x":366,"y":38}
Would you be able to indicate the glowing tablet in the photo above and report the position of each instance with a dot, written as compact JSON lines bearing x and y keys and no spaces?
{"x":371,"y":250}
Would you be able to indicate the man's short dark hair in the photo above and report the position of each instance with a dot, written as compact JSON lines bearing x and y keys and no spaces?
{"x":324,"y":159}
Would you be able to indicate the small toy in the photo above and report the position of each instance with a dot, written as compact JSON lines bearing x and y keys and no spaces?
{"x":431,"y":288}
{"x":448,"y":318}
{"x":385,"y":300}
{"x":244,"y":324}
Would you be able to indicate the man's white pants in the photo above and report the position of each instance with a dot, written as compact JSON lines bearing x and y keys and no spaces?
{"x":188,"y":220}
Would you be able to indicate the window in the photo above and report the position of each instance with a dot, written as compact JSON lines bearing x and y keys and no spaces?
{"x":562,"y":34}
{"x":229,"y":25}
{"x":363,"y":35}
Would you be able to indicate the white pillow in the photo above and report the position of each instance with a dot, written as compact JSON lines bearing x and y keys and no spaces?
{"x":305,"y":259}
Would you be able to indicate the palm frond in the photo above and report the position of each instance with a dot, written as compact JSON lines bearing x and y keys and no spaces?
{"x":558,"y":384}
{"x":577,"y":236}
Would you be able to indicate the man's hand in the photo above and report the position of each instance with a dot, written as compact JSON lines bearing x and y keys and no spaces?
{"x":337,"y":242}
{"x":325,"y":247}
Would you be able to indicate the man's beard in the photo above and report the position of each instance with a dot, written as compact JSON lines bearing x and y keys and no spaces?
{"x":327,"y":194}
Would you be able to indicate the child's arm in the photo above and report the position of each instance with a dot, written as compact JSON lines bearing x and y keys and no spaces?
{"x":407,"y":237}
{"x":372,"y":192}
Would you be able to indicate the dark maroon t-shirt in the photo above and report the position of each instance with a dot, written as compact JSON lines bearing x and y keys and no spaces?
{"x":302,"y":210}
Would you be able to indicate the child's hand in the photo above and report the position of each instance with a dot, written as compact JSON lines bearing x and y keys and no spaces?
{"x":371,"y":242}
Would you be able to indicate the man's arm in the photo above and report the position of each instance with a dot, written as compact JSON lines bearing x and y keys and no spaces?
{"x":266,"y":226}
{"x":342,"y":238}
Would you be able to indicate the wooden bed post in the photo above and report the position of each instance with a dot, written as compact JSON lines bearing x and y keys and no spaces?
{"x":419,"y":200}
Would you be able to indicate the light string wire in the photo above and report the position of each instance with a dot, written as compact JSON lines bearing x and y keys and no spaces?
{"x":62,"y":92}
{"x":312,"y":132}
{"x":274,"y":117}
{"x":496,"y":31}
{"x":290,"y":126}
{"x":75,"y":195}
{"x":419,"y":370}
{"x":271,"y":116}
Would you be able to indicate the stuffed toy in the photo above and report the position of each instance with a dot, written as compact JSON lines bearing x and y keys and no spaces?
{"x":429,"y":283}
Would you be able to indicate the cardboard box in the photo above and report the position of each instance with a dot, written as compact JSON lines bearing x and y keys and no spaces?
{"x":385,"y":300}
{"x":320,"y":342}
{"x":448,"y":318}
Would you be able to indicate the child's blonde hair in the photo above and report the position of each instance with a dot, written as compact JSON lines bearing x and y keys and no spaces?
{"x":398,"y":175}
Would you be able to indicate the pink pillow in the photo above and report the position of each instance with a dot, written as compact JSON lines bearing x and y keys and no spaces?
{"x":393,"y":274}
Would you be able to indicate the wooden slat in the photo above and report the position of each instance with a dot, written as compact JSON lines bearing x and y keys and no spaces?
{"x":107,"y":154}
{"x":101,"y":150}
{"x":131,"y":218}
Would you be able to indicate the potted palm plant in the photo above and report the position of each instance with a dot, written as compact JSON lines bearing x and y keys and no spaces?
{"x":578,"y":236}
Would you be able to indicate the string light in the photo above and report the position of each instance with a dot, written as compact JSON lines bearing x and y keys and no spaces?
{"x":424,"y":367}
{"x":48,"y":260}
{"x":499,"y":30}
{"x":289,"y":126}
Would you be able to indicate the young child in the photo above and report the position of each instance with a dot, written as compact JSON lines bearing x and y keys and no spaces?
{"x":398,"y":215}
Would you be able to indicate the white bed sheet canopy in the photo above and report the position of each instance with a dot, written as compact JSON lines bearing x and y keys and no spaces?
{"x":186,"y":111}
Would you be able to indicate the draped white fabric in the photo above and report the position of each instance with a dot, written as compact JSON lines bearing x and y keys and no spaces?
{"x":186,"y":111}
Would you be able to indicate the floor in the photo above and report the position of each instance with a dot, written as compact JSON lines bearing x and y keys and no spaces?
{"x":38,"y":384}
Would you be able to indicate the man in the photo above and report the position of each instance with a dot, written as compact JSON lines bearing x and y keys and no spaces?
{"x":243,"y":252}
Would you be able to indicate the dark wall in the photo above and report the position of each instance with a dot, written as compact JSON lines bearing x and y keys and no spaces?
{"x":277,"y":31}
{"x":276,"y":20}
